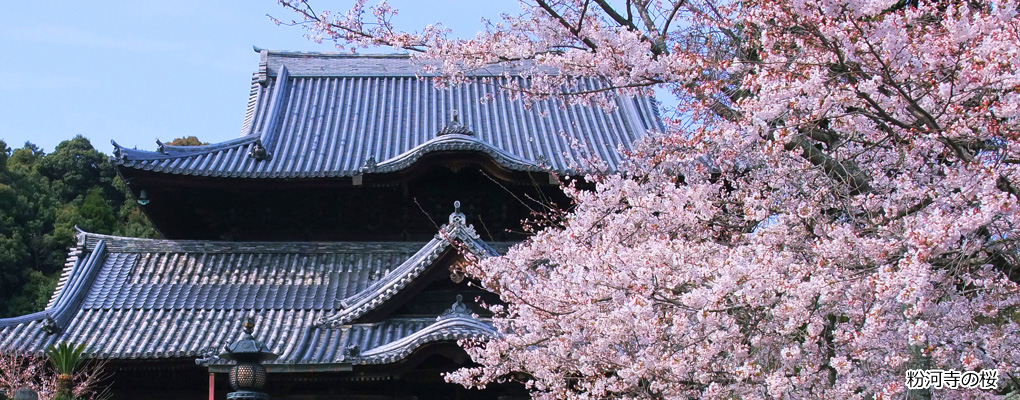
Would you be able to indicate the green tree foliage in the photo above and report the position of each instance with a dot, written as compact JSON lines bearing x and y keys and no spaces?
{"x":131,"y":222}
{"x":75,"y":167}
{"x":27,"y":207}
{"x":34,"y":294}
{"x":187,"y":141}
{"x":42,"y":198}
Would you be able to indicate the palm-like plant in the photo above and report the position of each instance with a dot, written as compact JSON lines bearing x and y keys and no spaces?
{"x":65,"y":357}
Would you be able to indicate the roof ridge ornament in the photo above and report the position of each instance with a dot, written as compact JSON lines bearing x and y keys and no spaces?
{"x":370,"y":164}
{"x":49,"y":325}
{"x":458,"y":309}
{"x":457,"y":217}
{"x":117,"y":153}
{"x":455,"y":127}
{"x":259,"y":152}
{"x":249,"y":323}
{"x":457,"y":225}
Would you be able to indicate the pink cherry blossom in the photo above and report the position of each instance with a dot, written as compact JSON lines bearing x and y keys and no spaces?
{"x":834,"y":199}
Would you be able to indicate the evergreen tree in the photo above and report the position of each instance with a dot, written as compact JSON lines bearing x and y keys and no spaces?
{"x":187,"y":141}
{"x":26,"y":215}
{"x":131,"y":221}
{"x":42,"y":198}
{"x":76,"y":167}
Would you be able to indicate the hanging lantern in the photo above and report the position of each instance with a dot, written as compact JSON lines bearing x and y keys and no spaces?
{"x":143,"y":197}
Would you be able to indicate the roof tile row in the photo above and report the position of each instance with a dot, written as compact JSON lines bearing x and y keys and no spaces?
{"x":338,"y":115}
{"x":142,"y":299}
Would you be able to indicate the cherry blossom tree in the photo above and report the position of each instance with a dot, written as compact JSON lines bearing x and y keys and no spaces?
{"x":834,"y":202}
{"x":19,"y":371}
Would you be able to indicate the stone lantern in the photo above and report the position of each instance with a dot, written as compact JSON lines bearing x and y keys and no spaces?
{"x":248,"y":376}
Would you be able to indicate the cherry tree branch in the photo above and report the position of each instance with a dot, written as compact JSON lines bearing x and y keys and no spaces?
{"x":575,"y":31}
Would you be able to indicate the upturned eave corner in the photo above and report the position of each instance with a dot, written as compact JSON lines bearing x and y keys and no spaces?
{"x":75,"y":283}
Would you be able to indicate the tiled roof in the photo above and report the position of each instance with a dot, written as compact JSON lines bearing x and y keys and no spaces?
{"x":378,"y":292}
{"x":329,"y":115}
{"x":386,"y":341}
{"x":149,"y":299}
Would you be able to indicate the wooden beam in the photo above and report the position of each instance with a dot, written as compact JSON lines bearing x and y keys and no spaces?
{"x":291,"y":368}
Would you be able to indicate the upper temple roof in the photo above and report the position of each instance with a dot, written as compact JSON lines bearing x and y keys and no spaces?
{"x":314,"y":115}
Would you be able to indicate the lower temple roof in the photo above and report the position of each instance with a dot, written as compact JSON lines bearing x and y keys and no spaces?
{"x":151,"y":299}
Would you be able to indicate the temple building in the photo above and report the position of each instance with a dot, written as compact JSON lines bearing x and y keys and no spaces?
{"x":337,"y":218}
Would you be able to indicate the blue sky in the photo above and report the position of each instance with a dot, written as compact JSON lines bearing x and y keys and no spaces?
{"x":134,"y":71}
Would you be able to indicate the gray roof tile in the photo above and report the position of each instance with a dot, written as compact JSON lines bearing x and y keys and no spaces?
{"x":143,"y":299}
{"x":328,"y":115}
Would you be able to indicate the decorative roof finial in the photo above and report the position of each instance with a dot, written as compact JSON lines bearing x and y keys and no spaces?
{"x":457,"y":225}
{"x":458,"y":309}
{"x":457,"y":218}
{"x":259,"y":152}
{"x":352,"y":350}
{"x":370,"y":164}
{"x":49,"y":325}
{"x":249,"y":323}
{"x":455,"y":127}
{"x":117,"y":153}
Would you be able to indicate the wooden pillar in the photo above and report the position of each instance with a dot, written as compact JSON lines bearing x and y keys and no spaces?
{"x":212,"y":386}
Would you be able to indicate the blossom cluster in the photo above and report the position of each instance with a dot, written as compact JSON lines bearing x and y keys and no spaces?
{"x":834,"y":202}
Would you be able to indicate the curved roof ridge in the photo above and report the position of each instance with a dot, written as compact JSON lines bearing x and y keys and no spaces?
{"x":181,"y":151}
{"x":267,"y":135}
{"x":454,"y":328}
{"x":89,"y":240}
{"x":165,"y":151}
{"x":359,"y":303}
{"x":451,"y":142}
{"x":70,"y":292}
{"x":457,"y":230}
{"x":329,"y":54}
